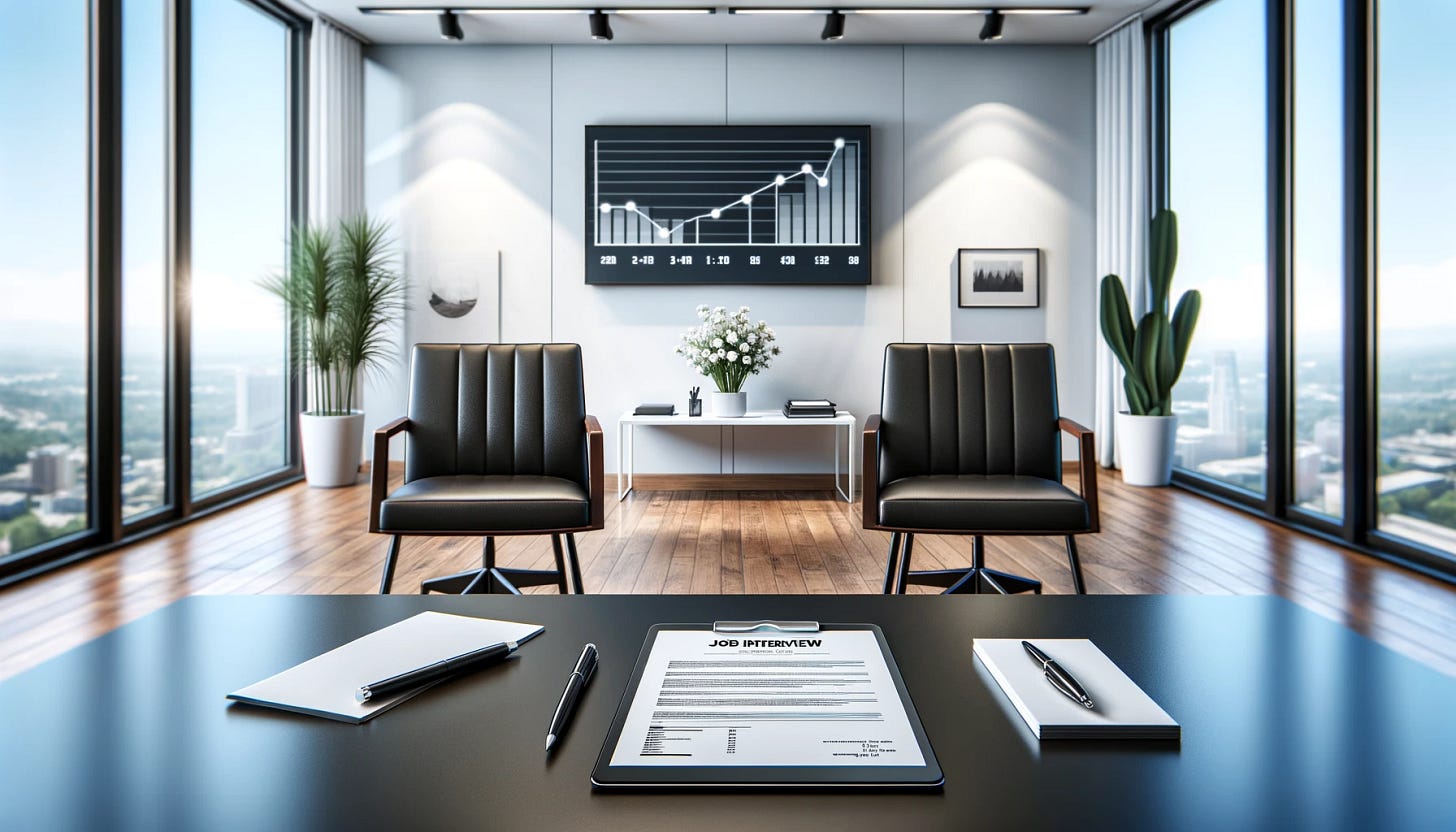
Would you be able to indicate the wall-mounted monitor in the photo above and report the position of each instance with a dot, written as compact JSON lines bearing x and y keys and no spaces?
{"x":728,"y":204}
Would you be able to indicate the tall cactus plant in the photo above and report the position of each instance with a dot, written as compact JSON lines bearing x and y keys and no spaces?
{"x":1152,"y":353}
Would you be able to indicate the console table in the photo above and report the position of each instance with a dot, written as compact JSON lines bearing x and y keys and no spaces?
{"x":843,"y":423}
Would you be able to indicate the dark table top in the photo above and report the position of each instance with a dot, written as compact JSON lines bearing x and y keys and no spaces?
{"x":1289,"y":722}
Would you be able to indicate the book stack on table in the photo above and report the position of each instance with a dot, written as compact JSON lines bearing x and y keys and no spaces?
{"x":809,"y":408}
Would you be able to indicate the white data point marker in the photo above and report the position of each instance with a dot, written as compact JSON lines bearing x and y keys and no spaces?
{"x":823,"y":181}
{"x":779,"y":180}
{"x":663,"y":233}
{"x":807,"y":168}
{"x":748,"y":199}
{"x":606,"y":208}
{"x":838,"y":143}
{"x":630,"y":206}
{"x":715,"y":213}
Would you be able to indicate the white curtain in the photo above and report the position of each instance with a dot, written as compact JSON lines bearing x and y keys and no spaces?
{"x":1122,"y":214}
{"x":335,"y":124}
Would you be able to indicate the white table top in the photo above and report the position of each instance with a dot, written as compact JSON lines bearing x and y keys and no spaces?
{"x":750,"y":419}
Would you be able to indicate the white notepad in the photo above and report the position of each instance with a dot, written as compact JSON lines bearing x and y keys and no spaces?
{"x":325,"y":685}
{"x":1123,"y":710}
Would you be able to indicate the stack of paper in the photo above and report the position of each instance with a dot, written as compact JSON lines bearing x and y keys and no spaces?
{"x":1123,"y":710}
{"x":325,"y":685}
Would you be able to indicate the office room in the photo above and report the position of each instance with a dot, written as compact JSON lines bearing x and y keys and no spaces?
{"x":537,"y":415}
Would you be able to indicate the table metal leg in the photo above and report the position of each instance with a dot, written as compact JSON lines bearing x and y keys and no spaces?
{"x":621,"y":474}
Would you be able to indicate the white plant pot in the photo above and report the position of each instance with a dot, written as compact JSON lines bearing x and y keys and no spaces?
{"x":1145,"y":448}
{"x":332,"y":448}
{"x":730,"y":405}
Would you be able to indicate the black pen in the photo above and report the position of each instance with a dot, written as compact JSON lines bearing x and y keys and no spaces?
{"x":438,"y":670}
{"x":1060,"y":678}
{"x":585,"y":667}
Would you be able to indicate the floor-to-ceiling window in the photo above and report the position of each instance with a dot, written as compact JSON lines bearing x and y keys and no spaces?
{"x":1415,"y":276}
{"x":240,"y":219}
{"x":1317,"y":268}
{"x":144,"y":318}
{"x":1352,"y":105}
{"x":44,"y":226}
{"x":1216,"y":136}
{"x":149,"y":172}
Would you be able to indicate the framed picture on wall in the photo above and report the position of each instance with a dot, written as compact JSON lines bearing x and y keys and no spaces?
{"x":1005,"y":277}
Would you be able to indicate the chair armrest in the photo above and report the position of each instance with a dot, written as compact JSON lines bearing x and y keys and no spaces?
{"x":870,"y":470}
{"x":379,"y":467}
{"x":1086,"y":466}
{"x":597,"y":492}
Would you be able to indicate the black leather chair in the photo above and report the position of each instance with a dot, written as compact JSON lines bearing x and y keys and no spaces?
{"x":498,"y":442}
{"x":968,"y":442}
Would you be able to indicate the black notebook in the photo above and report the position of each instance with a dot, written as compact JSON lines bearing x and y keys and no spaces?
{"x":655,"y":410}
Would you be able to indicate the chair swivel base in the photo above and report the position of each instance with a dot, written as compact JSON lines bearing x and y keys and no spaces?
{"x":976,"y":581}
{"x":494,"y":580}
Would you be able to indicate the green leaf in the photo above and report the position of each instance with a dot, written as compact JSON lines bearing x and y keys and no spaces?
{"x":1185,"y":319}
{"x":1116,"y":320}
{"x":1162,"y":257}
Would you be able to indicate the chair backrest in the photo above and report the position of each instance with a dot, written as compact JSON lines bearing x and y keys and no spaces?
{"x":496,"y":409}
{"x":969,"y":409}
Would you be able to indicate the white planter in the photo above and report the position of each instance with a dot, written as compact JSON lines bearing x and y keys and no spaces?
{"x":1145,"y":448}
{"x":332,"y":447}
{"x":730,"y":405}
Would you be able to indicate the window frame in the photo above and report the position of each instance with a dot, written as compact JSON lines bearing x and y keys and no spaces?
{"x":1356,"y":527}
{"x":108,"y":530}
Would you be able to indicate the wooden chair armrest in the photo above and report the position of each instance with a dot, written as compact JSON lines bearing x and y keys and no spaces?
{"x":870,"y":471}
{"x":379,"y":467}
{"x":597,"y":493}
{"x":1086,"y":466}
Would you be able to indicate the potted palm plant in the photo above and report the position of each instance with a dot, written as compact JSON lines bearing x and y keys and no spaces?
{"x":1152,"y":355}
{"x":341,"y":292}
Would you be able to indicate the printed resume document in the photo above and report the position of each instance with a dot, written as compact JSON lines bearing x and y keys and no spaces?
{"x":793,"y":699}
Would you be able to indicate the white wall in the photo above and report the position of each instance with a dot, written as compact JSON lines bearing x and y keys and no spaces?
{"x":476,"y":149}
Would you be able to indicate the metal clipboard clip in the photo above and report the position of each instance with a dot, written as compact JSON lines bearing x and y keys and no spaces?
{"x":754,"y":626}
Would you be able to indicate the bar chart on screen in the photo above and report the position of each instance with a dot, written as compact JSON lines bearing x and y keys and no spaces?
{"x":727,"y":204}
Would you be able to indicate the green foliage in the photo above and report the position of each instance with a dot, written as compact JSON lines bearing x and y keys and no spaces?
{"x":342,"y":290}
{"x":1443,"y":510}
{"x":1152,"y":353}
{"x":16,"y":442}
{"x":1390,"y":505}
{"x":1414,"y":500}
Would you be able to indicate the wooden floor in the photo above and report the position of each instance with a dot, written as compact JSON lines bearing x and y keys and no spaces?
{"x":302,"y":540}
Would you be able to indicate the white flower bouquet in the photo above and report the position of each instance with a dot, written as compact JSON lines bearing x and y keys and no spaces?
{"x":728,"y":347}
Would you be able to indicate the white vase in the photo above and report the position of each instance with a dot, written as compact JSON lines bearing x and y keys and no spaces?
{"x":332,"y":448}
{"x":730,"y":405}
{"x":1145,"y":448}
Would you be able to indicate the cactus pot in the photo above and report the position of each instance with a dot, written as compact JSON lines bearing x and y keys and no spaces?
{"x":1145,"y":448}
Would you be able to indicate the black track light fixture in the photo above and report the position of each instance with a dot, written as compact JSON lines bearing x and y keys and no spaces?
{"x":991,"y":29}
{"x":601,"y":27}
{"x":833,"y":26}
{"x":450,"y":26}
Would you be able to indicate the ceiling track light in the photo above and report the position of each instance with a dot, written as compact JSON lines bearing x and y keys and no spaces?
{"x":833,"y":26}
{"x":601,"y":27}
{"x":991,"y":29}
{"x":450,"y":26}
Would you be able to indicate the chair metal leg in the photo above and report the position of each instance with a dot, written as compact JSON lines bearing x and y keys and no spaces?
{"x":978,"y":552}
{"x":389,"y":561}
{"x":487,"y":554}
{"x":575,"y":563}
{"x":890,"y":563}
{"x":560,"y":563}
{"x":1076,"y":565}
{"x":905,"y":561}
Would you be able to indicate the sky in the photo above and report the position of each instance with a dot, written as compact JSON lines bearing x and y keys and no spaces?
{"x":239,"y":198}
{"x":1217,"y":181}
{"x":239,"y":191}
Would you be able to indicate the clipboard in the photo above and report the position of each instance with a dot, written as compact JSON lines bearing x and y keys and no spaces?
{"x":606,"y":776}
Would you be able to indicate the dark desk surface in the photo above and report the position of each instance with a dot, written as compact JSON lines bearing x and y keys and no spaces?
{"x":1289,"y":722}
